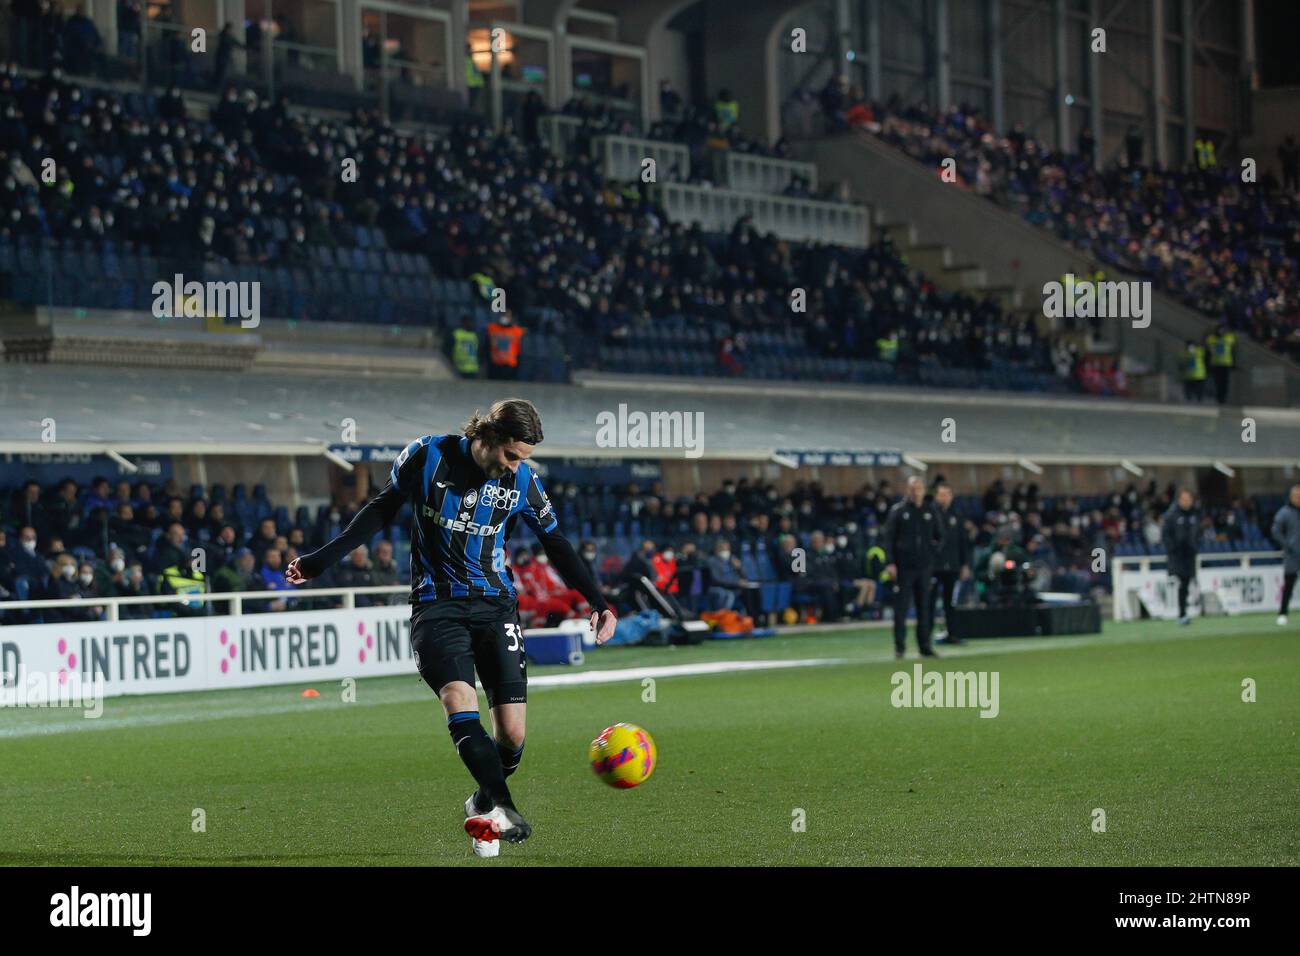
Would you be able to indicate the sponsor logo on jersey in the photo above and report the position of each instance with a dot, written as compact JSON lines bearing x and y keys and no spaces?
{"x":460,"y":524}
{"x":494,"y":496}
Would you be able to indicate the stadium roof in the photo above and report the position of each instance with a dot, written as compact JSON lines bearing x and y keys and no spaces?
{"x":160,"y":411}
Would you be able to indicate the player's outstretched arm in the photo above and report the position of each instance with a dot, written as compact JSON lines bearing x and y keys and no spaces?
{"x":576,"y":575}
{"x":378,"y":513}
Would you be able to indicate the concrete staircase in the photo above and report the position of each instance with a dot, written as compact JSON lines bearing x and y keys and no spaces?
{"x":941,"y":265}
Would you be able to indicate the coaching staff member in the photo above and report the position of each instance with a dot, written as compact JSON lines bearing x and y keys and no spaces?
{"x":953,"y":563}
{"x":1181,"y":525}
{"x":1286,"y":532}
{"x":912,"y":538}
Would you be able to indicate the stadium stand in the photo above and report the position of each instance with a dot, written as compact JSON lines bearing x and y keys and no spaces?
{"x":1223,"y":247}
{"x":250,"y":194}
{"x":135,"y":539}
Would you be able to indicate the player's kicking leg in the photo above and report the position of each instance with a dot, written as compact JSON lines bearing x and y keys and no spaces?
{"x":498,"y":647}
{"x":508,"y":732}
{"x":444,"y":649}
{"x":490,"y":812}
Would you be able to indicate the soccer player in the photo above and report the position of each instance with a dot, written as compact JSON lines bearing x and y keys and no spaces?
{"x":467,"y":494}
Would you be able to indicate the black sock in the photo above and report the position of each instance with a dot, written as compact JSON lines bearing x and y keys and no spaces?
{"x":510,"y":757}
{"x":480,"y":755}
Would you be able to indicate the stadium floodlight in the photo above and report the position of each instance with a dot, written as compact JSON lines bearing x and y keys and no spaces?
{"x":125,"y":464}
{"x":1029,"y":466}
{"x":1223,"y":469}
{"x":915,"y":463}
{"x":1131,"y":468}
{"x":337,"y":459}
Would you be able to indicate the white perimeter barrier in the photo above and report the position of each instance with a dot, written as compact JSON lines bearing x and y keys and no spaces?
{"x":1242,"y":582}
{"x":164,"y":655}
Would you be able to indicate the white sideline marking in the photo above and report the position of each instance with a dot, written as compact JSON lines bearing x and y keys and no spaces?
{"x":673,"y":670}
{"x":200,"y":706}
{"x":373,"y":696}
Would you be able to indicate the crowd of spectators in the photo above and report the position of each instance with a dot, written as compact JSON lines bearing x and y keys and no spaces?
{"x":708,"y":551}
{"x":598,"y":261}
{"x":124,"y":540}
{"x":714,"y":551}
{"x":1223,"y":246}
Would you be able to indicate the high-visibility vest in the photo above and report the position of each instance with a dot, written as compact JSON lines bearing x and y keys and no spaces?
{"x":473,"y":78}
{"x":1074,"y":285}
{"x":888,"y":348}
{"x":1194,"y":364}
{"x":181,"y":582}
{"x":727,"y":112}
{"x":1205,"y":153}
{"x":464,"y":351}
{"x":1221,"y":347}
{"x":877,"y":553}
{"x":503,"y":341}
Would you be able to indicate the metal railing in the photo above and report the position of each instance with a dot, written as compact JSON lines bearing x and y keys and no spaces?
{"x":621,"y":158}
{"x":802,"y":220}
{"x":1244,"y":559}
{"x":750,"y":173}
{"x":235,"y":599}
{"x":561,"y":132}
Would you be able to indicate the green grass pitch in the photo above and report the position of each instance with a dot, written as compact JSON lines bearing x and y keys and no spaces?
{"x":1145,"y":722}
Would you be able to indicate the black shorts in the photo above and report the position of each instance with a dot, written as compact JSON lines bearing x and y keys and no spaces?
{"x":454,"y":637}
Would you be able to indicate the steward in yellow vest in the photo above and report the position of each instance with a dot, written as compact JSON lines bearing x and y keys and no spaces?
{"x":464,"y":348}
{"x":1193,"y":363}
{"x":1222,"y":347}
{"x":726,"y":110}
{"x":181,"y":578}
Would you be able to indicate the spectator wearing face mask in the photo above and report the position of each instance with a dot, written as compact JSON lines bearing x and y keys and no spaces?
{"x":111,"y":575}
{"x":534,"y":597}
{"x":28,"y":562}
{"x":852,"y":571}
{"x":727,"y":584}
{"x":66,"y":587}
{"x":88,"y":587}
{"x":821,"y":582}
{"x":590,"y":557}
{"x":553,"y":585}
{"x":134,"y":584}
{"x":665,"y":564}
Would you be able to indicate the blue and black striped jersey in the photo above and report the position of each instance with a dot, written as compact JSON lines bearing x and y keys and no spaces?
{"x":461,"y":519}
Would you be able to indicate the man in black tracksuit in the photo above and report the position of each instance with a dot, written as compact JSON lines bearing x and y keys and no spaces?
{"x":1286,"y":532}
{"x":912,"y":538}
{"x":953,"y":563}
{"x":1182,"y":524}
